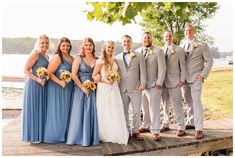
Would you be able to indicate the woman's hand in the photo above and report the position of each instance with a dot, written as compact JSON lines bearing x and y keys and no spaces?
{"x":85,"y":91}
{"x":97,"y":78}
{"x":62,"y":84}
{"x":109,"y":82}
{"x":41,"y":81}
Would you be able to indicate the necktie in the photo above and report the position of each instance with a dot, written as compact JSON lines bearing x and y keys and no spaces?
{"x":166,"y":53}
{"x":188,"y":49}
{"x":124,"y":58}
{"x":145,"y":52}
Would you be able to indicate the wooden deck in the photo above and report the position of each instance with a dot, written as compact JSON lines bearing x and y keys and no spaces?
{"x":13,"y":78}
{"x":218,"y":135}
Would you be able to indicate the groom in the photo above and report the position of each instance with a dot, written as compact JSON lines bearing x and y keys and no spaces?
{"x":132,"y":70}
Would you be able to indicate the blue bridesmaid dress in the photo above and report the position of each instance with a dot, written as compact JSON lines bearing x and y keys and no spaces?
{"x":58,"y":107}
{"x":34,"y":105}
{"x":83,"y":126}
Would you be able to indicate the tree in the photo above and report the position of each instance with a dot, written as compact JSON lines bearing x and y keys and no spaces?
{"x":157,"y":16}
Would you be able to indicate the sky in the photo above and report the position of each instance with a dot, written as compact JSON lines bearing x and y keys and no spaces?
{"x":58,"y":18}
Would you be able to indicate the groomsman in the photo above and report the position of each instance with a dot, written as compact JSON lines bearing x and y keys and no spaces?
{"x":174,"y":80}
{"x":199,"y":62}
{"x":151,"y":96}
{"x":132,"y":70}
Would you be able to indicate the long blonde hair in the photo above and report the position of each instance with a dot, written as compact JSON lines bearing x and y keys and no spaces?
{"x":104,"y":55}
{"x":36,"y":46}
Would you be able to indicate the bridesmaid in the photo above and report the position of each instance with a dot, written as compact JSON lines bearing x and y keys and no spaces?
{"x":34,"y":104}
{"x":59,"y":94}
{"x":83,"y":126}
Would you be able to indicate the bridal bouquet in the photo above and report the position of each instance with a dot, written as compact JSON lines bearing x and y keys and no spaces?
{"x":89,"y":85}
{"x":43,"y":73}
{"x":66,"y":76}
{"x":113,"y":75}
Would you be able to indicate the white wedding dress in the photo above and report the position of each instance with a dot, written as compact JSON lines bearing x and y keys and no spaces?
{"x":110,"y":112}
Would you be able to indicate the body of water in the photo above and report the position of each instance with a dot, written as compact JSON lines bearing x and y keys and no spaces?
{"x":13,"y":65}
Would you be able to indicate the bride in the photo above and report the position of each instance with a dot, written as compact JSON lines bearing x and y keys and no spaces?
{"x":110,"y":112}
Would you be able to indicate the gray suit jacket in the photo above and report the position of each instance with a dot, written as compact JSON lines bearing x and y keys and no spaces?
{"x":199,"y":62}
{"x":134,"y":76}
{"x":155,"y":66}
{"x":175,"y":67}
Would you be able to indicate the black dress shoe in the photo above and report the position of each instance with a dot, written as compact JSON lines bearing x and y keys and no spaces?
{"x":189,"y":127}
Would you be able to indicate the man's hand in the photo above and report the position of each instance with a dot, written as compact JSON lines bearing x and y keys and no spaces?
{"x":181,"y":84}
{"x":158,"y":86}
{"x":200,"y":77}
{"x":140,"y":89}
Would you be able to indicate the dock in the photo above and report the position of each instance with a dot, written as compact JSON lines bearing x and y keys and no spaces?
{"x":218,"y":134}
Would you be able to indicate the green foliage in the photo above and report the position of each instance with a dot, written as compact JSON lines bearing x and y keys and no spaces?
{"x":157,"y":16}
{"x":110,"y":12}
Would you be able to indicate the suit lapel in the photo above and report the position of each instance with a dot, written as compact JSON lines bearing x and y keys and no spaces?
{"x":130,"y":62}
{"x":124,"y":60}
{"x":183,"y":45}
{"x":142,"y":51}
{"x":172,"y":49}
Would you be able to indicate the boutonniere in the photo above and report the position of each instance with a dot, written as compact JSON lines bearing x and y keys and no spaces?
{"x":132,"y":55}
{"x":172,"y":51}
{"x":150,"y":52}
{"x":195,"y":45}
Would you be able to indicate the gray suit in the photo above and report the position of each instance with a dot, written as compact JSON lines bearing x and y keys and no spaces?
{"x":198,"y":62}
{"x":132,"y":77}
{"x":175,"y":72}
{"x":151,"y":96}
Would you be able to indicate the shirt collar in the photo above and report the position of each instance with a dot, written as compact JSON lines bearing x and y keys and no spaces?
{"x":191,"y":41}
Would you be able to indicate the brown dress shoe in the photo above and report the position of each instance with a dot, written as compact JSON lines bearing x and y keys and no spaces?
{"x":143,"y":130}
{"x":164,"y":129}
{"x":180,"y":133}
{"x":156,"y":137}
{"x":189,"y":127}
{"x":198,"y":135}
{"x":137,"y":136}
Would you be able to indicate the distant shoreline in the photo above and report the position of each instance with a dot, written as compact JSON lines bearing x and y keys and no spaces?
{"x":22,"y":78}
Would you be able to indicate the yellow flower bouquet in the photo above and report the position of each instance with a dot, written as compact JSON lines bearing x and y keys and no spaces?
{"x":89,"y":85}
{"x":113,"y":75}
{"x":43,"y":73}
{"x":66,"y":76}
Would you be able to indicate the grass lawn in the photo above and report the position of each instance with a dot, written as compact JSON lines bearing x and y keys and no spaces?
{"x":217,"y":94}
